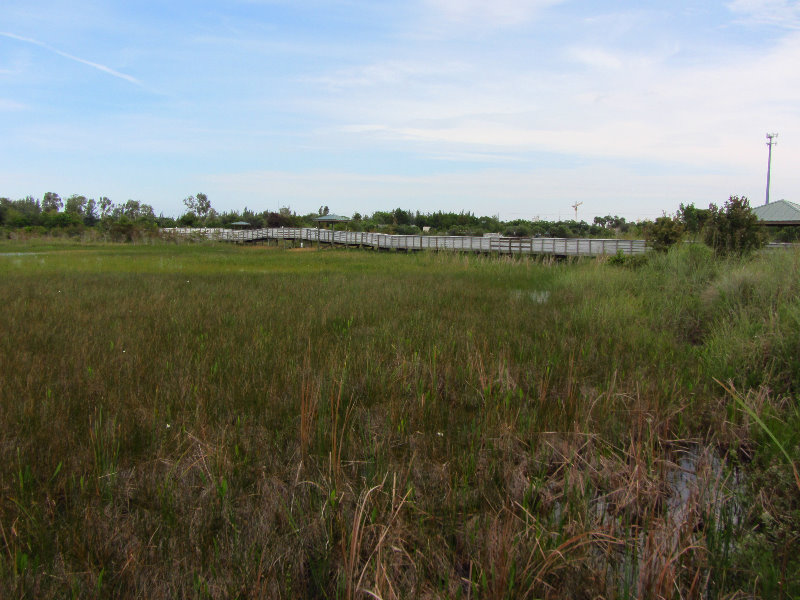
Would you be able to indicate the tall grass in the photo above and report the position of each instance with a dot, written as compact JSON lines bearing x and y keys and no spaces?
{"x":218,"y":421}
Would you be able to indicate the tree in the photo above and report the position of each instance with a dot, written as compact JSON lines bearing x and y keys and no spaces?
{"x":274,"y":219}
{"x":187,"y":220}
{"x":610,"y":222}
{"x":401,"y":217}
{"x":106,"y":206}
{"x":734,"y":228}
{"x":382,"y":218}
{"x":51,"y":202}
{"x":191,"y":204}
{"x":664,"y":232}
{"x":517,"y":231}
{"x":200,"y":205}
{"x":24,"y":212}
{"x":90,"y":214}
{"x":75,"y":205}
{"x":203,"y":205}
{"x":133,"y":210}
{"x":5,"y":210}
{"x":60,"y":219}
{"x":693,"y":219}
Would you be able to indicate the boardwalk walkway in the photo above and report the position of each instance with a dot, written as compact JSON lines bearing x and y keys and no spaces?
{"x":501,"y":245}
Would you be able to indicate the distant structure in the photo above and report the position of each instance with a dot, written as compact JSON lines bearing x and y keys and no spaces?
{"x":330,"y":220}
{"x":780,"y":213}
{"x":575,"y":206}
{"x":770,"y":142}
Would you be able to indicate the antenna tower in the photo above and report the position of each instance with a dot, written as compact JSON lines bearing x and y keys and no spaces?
{"x":771,"y":141}
{"x":575,"y":206}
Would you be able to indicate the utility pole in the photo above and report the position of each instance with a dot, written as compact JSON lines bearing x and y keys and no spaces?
{"x":575,"y":206}
{"x":771,"y":141}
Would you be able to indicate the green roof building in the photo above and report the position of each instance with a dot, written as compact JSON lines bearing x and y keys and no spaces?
{"x":779,"y":213}
{"x":331,"y":219}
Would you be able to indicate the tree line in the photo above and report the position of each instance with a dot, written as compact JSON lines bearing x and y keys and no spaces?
{"x":406,"y":222}
{"x":731,"y":227}
{"x":51,"y":211}
{"x":77,"y":211}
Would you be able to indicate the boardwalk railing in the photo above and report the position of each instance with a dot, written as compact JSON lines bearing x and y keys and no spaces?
{"x":502,"y":245}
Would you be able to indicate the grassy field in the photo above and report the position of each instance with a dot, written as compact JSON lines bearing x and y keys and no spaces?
{"x":219,"y":421}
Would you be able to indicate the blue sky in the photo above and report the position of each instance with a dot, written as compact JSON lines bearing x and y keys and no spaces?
{"x":518,"y":108}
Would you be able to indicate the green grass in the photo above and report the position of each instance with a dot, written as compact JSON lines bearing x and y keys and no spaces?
{"x":222,"y":421}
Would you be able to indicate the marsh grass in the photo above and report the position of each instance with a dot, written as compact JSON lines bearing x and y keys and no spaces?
{"x":218,"y":421}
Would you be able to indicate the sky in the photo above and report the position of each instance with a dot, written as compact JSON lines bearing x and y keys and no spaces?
{"x":514,"y":108}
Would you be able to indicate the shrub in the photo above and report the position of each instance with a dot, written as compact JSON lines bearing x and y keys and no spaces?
{"x":633,"y":261}
{"x":517,"y":231}
{"x":692,"y":218}
{"x":664,"y":232}
{"x":787,"y":234}
{"x":733,"y":229}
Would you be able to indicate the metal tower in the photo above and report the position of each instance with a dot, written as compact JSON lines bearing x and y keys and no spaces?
{"x":770,"y":142}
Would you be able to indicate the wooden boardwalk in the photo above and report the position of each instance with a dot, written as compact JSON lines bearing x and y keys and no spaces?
{"x":489,"y":244}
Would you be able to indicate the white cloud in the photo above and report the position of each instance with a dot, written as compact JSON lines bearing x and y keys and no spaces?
{"x":9,"y":105}
{"x":88,"y":63}
{"x":596,"y":57}
{"x":475,"y":19}
{"x":489,"y":12}
{"x":388,"y":73}
{"x":781,"y":13}
{"x":640,"y":107}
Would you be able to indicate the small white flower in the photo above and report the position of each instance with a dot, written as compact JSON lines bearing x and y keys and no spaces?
{"x":168,"y":425}
{"x":440,"y":434}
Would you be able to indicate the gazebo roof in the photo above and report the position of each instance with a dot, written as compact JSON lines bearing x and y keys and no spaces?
{"x":331,"y":219}
{"x":780,"y":212}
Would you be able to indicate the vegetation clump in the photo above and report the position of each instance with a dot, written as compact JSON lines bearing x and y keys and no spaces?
{"x":733,"y":228}
{"x":730,"y":229}
{"x":664,"y":232}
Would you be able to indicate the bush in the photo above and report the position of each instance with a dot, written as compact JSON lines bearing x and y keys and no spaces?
{"x":517,"y":231}
{"x":188,"y":220}
{"x":664,"y":233}
{"x":693,"y":219}
{"x":633,"y":261}
{"x":787,"y":235}
{"x":559,"y":230}
{"x":407,"y":230}
{"x":733,"y":229}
